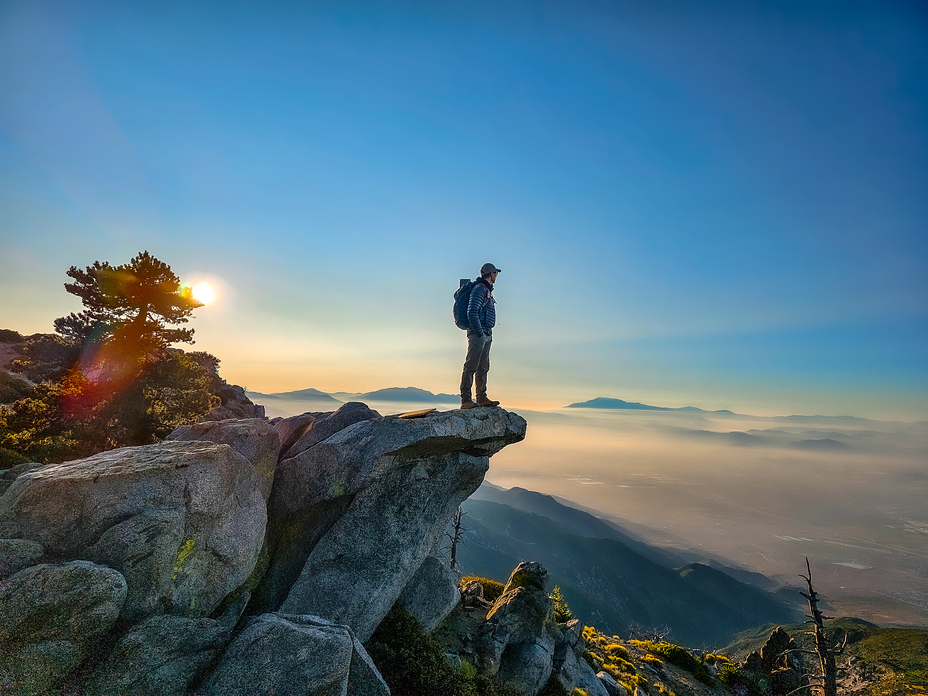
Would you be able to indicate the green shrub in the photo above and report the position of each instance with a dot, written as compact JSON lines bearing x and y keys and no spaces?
{"x":414,"y":664}
{"x":655,"y":662}
{"x":553,"y":688}
{"x":492,"y":590}
{"x":13,"y":388}
{"x":729,"y":675}
{"x":468,"y":670}
{"x":562,"y":613}
{"x":10,"y":336}
{"x":681,"y":657}
{"x":593,"y":660}
{"x":616,"y":649}
{"x":618,"y":665}
{"x":664,"y":690}
{"x":9,"y":458}
{"x":46,"y":357}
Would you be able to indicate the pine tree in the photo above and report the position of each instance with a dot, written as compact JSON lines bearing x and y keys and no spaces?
{"x":133,"y":303}
{"x":562,"y":613}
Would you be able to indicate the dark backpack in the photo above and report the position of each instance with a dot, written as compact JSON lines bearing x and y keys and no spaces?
{"x":461,"y":300}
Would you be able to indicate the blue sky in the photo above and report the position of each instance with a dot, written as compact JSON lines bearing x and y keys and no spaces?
{"x":721,"y":204}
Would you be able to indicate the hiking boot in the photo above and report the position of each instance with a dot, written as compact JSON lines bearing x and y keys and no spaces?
{"x":467,"y":403}
{"x":484,"y":401}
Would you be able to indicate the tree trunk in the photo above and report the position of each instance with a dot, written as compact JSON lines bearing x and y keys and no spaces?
{"x":826,"y":655}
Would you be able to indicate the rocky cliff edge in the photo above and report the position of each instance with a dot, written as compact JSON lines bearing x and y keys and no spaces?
{"x":164,"y":568}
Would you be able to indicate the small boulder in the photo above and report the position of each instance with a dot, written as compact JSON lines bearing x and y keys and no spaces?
{"x":291,"y":429}
{"x":278,"y":655}
{"x":18,"y":554}
{"x":324,"y":425}
{"x":527,"y":665}
{"x":432,"y":593}
{"x":51,"y":617}
{"x":572,"y":633}
{"x":573,"y":672}
{"x":364,"y":679}
{"x":253,"y":438}
{"x":472,"y":595}
{"x":613,"y":688}
{"x":162,"y":656}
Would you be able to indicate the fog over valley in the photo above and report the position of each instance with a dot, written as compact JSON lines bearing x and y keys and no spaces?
{"x":762,"y":492}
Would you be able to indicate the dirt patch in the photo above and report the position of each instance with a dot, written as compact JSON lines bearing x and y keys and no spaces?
{"x":7,"y":353}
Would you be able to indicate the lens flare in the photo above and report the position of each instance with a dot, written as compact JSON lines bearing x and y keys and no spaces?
{"x":204,"y":292}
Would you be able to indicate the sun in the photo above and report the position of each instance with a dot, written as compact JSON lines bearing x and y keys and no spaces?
{"x":204,"y":292}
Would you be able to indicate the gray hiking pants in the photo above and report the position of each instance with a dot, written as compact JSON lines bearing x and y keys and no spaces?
{"x":476,"y":364}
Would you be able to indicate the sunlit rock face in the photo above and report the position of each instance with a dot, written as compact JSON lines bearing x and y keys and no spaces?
{"x":182,"y":521}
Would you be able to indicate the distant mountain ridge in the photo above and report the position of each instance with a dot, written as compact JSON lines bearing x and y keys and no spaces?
{"x":610,"y":403}
{"x":388,"y":394}
{"x":410,"y":394}
{"x":606,"y":402}
{"x":299,"y":395}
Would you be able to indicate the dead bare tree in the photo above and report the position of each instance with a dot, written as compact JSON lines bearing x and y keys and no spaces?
{"x":655,"y":634}
{"x":456,"y":536}
{"x":828,"y":682}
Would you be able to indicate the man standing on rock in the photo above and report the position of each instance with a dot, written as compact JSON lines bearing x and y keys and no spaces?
{"x":481,"y":318}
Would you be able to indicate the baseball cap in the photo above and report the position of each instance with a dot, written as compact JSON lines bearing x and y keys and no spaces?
{"x":488,"y":268}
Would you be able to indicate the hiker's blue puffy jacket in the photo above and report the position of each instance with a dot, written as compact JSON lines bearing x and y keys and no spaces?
{"x":481,"y":309}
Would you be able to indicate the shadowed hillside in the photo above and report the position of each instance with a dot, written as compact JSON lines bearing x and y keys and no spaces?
{"x":612,"y":586}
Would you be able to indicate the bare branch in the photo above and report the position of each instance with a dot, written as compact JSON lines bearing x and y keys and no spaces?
{"x":839,"y":649}
{"x":805,"y":686}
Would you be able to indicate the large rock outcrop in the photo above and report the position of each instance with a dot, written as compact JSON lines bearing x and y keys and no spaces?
{"x":144,"y":546}
{"x":293,"y":530}
{"x":517,"y":642}
{"x":270,"y":657}
{"x":393,"y":484}
{"x":182,"y":521}
{"x":777,"y":668}
{"x":516,"y":639}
